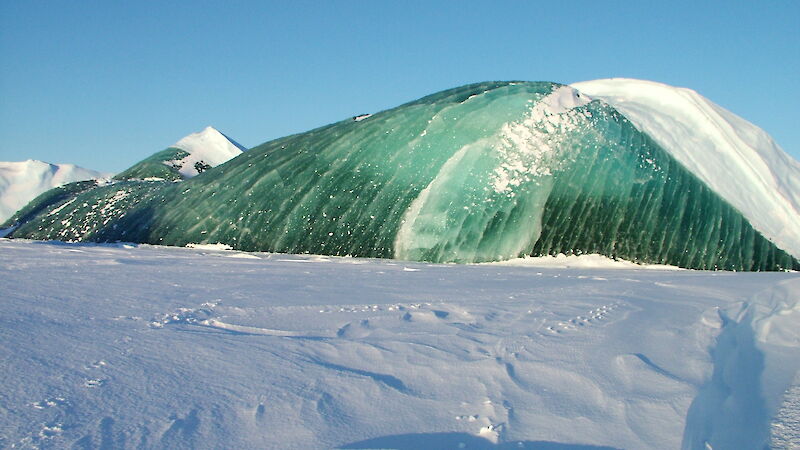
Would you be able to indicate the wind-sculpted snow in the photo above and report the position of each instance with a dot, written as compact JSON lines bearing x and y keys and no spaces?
{"x":136,"y":346}
{"x":483,"y":172}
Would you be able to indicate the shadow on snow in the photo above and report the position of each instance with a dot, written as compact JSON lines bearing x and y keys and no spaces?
{"x":458,"y":441}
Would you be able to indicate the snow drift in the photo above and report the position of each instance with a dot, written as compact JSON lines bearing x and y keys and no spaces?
{"x":224,"y":349}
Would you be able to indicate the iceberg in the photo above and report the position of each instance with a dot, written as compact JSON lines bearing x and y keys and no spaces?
{"x":484,"y":172}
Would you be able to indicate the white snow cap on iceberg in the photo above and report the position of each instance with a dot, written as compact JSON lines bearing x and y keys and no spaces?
{"x":735,"y":158}
{"x":21,"y":182}
{"x":208,"y":147}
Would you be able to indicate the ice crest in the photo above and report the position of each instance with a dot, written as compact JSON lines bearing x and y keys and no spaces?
{"x":535,"y":146}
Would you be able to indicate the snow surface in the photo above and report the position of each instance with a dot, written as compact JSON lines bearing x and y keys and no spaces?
{"x":208,"y":146}
{"x":21,"y":182}
{"x":116,"y":346}
{"x":735,"y":158}
{"x":587,"y":261}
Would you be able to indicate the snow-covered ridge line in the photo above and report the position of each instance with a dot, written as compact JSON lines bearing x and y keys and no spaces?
{"x":737,"y":159}
{"x":21,"y":182}
{"x":207,"y":148}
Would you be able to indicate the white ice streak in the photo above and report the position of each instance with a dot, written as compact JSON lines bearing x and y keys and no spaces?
{"x":531,"y":147}
{"x":207,"y":147}
{"x":735,"y":158}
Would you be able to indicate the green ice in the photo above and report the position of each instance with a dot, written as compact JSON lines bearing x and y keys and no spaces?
{"x":483,"y":172}
{"x":156,"y":166}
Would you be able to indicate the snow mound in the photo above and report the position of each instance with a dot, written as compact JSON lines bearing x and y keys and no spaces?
{"x":737,"y":159}
{"x":216,"y":246}
{"x":21,"y":182}
{"x":591,"y":261}
{"x":207,"y":148}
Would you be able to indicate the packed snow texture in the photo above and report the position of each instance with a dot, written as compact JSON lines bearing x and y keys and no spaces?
{"x":588,"y":261}
{"x":122,"y":346}
{"x":737,"y":159}
{"x":207,"y":147}
{"x":21,"y":182}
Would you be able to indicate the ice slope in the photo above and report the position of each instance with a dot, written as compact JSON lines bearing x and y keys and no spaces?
{"x":737,"y":159}
{"x":224,"y":349}
{"x":209,"y":147}
{"x":21,"y":182}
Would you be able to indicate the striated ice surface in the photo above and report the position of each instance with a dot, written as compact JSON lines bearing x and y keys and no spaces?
{"x":738,"y":160}
{"x":484,"y":172}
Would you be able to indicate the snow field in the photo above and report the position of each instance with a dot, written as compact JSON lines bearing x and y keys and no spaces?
{"x":139,"y":346}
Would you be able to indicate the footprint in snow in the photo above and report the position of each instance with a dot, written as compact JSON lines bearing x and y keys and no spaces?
{"x":355,"y":331}
{"x":185,"y":315}
{"x":51,"y":430}
{"x":94,"y":382}
{"x":96,"y":365}
{"x":592,"y":317}
{"x":51,"y":402}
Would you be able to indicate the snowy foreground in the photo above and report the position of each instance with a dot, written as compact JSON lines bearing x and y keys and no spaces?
{"x":137,"y":346}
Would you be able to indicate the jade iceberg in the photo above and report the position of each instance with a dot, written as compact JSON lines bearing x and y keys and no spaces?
{"x":483,"y":172}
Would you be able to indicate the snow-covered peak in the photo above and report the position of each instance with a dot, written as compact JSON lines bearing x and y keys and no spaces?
{"x":22,"y":181}
{"x":207,"y":148}
{"x":735,"y":158}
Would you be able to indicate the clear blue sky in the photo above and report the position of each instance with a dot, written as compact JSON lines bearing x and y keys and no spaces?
{"x":105,"y":83}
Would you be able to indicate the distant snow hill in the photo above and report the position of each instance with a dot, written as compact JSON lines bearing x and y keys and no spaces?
{"x":21,"y":182}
